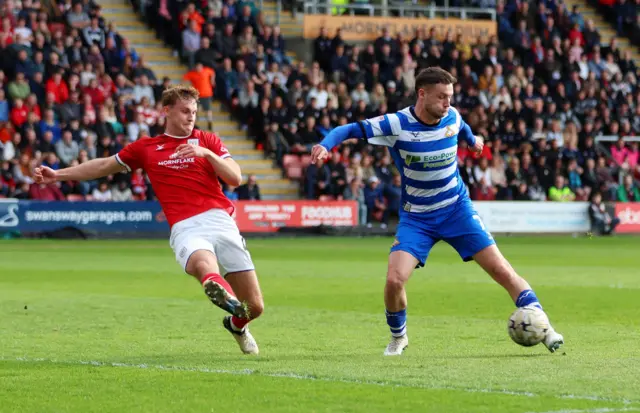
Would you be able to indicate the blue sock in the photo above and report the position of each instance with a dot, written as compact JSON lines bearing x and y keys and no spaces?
{"x":397,"y":322}
{"x":528,"y":297}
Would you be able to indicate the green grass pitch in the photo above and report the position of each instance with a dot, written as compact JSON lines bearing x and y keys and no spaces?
{"x":114,"y":326}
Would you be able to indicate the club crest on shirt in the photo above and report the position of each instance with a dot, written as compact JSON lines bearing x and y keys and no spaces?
{"x":451,"y":131}
{"x":193,"y":142}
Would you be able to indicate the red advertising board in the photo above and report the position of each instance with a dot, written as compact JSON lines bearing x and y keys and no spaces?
{"x":269,"y":216}
{"x":629,"y":215}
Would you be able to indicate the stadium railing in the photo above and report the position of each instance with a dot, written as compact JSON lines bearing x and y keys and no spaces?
{"x":397,"y":10}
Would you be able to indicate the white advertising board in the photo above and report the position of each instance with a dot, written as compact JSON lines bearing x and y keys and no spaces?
{"x":534,"y":217}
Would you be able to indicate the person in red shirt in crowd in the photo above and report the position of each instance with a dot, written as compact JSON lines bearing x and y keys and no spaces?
{"x":45,"y":192}
{"x":183,"y":166}
{"x":58,"y":87}
{"x":18,"y":115}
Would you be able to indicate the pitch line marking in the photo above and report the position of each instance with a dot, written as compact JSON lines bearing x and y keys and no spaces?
{"x":597,"y":410}
{"x":296,"y":376}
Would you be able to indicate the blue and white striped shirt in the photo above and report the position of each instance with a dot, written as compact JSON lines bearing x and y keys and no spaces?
{"x":425,"y":155}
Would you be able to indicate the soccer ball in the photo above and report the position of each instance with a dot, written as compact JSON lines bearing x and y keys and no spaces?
{"x":528,"y":326}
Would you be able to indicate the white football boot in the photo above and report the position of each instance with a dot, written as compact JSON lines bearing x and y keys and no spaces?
{"x":244,"y":338}
{"x":553,"y":340}
{"x":397,"y":345}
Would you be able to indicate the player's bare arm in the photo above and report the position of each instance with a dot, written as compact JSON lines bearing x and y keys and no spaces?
{"x":94,"y":169}
{"x":225,"y":168}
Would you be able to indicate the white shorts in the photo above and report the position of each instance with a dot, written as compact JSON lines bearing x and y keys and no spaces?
{"x":214,"y":231}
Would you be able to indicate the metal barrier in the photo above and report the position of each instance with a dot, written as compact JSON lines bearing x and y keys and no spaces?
{"x":614,"y":138}
{"x":398,"y":10}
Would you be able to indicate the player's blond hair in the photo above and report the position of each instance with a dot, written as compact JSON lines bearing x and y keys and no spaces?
{"x":180,"y":92}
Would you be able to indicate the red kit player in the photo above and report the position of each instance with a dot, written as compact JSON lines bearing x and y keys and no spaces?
{"x":183,"y":166}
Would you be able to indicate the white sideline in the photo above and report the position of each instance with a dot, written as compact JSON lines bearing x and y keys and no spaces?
{"x":599,"y":410}
{"x":296,"y":376}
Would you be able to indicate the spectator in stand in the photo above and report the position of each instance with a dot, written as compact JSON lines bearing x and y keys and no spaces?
{"x":249,"y":191}
{"x":355,"y":192}
{"x":120,"y":192}
{"x":601,"y":221}
{"x":559,"y":192}
{"x":628,"y":191}
{"x":373,"y":194}
{"x":102,"y":193}
{"x":231,"y":193}
{"x":204,"y":80}
{"x":45,"y":192}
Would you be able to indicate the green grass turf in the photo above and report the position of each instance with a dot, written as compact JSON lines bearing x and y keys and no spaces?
{"x":114,"y":326}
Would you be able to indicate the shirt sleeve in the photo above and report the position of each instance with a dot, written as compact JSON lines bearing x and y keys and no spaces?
{"x":131,"y":156}
{"x":466,"y":134}
{"x":382,"y":130}
{"x":214,"y":143}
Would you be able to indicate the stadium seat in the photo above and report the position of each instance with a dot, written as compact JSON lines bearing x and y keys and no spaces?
{"x":294,"y":172}
{"x":291,"y":160}
{"x":306,"y":160}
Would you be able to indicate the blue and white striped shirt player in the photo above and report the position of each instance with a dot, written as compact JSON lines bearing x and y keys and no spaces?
{"x":435,"y":202}
{"x":425,"y":155}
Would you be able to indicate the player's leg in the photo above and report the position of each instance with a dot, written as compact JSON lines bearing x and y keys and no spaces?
{"x":202,"y":264}
{"x":195,"y":254}
{"x":408,"y":251}
{"x":496,"y":265}
{"x":467,"y":234}
{"x":247,"y":289}
{"x":239,"y":271}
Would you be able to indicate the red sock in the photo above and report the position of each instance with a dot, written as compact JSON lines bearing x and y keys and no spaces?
{"x":239,"y":323}
{"x":218,"y":279}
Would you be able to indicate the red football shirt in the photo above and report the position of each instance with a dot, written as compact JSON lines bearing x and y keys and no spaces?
{"x":184,"y":187}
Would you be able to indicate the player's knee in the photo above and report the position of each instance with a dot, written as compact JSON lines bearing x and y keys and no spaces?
{"x":396,"y":279}
{"x":256,"y":307}
{"x":201,"y":266}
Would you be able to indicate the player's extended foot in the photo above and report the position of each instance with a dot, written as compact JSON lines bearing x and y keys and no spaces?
{"x":553,"y":340}
{"x":245,"y":340}
{"x":396,"y":346}
{"x":220,"y":297}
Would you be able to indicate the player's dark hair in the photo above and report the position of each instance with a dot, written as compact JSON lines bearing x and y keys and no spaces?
{"x":180,"y":92}
{"x":433,"y":76}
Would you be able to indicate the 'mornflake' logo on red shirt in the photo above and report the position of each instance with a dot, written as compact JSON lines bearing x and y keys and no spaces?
{"x":177,"y":163}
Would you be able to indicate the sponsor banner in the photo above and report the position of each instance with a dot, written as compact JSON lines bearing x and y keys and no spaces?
{"x":366,"y":28}
{"x":534,"y":217}
{"x":629,"y":215}
{"x":147,"y":217}
{"x":36,"y":216}
{"x":269,"y":216}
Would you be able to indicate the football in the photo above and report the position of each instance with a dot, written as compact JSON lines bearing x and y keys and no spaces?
{"x":528,"y":326}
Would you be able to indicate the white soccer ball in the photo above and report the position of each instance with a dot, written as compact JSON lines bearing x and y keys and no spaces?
{"x":528,"y":326}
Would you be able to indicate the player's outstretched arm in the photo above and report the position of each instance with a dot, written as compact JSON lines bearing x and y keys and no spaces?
{"x":335,"y":138}
{"x":93,"y":169}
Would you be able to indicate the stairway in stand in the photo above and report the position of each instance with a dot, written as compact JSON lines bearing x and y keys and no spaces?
{"x":161,"y":60}
{"x":290,"y":26}
{"x":603,"y":26}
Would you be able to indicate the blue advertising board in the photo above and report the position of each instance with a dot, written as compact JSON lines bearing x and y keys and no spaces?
{"x":38,"y":216}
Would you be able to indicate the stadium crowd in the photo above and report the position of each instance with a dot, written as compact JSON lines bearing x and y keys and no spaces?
{"x":539,"y":93}
{"x":72,"y":90}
